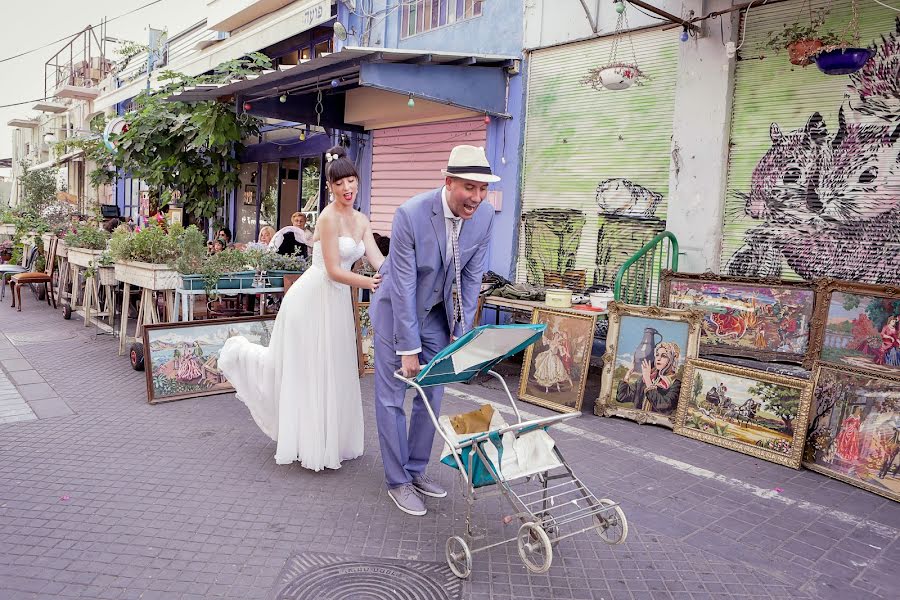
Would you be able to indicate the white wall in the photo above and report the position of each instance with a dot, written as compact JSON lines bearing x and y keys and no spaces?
{"x":702,"y":112}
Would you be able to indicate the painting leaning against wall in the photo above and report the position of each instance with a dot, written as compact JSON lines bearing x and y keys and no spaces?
{"x":855,"y":432}
{"x":823,"y":200}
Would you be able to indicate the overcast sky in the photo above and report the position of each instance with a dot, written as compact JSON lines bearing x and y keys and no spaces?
{"x":27,"y":24}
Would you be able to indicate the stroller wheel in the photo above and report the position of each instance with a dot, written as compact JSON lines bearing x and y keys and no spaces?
{"x":459,"y":558}
{"x":612,"y":526}
{"x":535,"y":549}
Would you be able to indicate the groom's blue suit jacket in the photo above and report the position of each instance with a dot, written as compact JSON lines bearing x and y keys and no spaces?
{"x":416,"y":275}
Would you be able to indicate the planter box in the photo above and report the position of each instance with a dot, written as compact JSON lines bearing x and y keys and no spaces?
{"x":82,"y":257}
{"x":230,"y":281}
{"x":62,"y":249}
{"x":276,"y":277}
{"x":147,"y":275}
{"x":107,"y":275}
{"x":7,"y":229}
{"x":46,"y":239}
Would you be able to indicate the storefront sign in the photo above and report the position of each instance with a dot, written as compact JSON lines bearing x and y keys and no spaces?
{"x":316,"y":14}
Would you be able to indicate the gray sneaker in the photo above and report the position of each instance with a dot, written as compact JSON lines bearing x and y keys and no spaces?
{"x":428,"y":486}
{"x":408,"y":500}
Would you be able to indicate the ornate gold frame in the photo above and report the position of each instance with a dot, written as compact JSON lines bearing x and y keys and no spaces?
{"x":824,"y":289}
{"x":360,"y":356}
{"x":526,"y":365}
{"x":800,"y":422}
{"x":812,"y":466}
{"x":668,"y":276}
{"x":604,"y":406}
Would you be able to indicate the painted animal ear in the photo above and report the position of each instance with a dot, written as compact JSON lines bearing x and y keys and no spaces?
{"x":816,"y":128}
{"x":775,"y":132}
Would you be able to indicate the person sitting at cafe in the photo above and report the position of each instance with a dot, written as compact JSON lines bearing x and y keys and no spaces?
{"x":287,"y":241}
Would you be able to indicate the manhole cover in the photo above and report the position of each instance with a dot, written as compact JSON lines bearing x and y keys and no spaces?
{"x":40,"y":337}
{"x":310,"y":576}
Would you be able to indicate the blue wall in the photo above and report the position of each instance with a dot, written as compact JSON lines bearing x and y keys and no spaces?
{"x":498,"y":30}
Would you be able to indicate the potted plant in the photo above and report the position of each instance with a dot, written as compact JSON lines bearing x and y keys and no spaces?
{"x":802,"y":41}
{"x":143,"y":258}
{"x":6,"y":250}
{"x":275,"y":266}
{"x":86,"y":242}
{"x":227,"y":270}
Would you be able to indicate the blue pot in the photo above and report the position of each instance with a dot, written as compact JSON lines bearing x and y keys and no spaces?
{"x":843,"y":62}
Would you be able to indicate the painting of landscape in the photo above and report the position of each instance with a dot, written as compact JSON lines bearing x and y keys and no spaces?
{"x":181,"y":359}
{"x":762,"y":320}
{"x":860,"y":330}
{"x":754,"y":412}
{"x":855,"y":432}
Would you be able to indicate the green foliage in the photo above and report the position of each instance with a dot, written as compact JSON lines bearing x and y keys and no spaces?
{"x":192,"y":254}
{"x":87,"y":236}
{"x":188,"y":147}
{"x":791,"y":33}
{"x":230,"y":260}
{"x":152,"y":244}
{"x":781,"y":400}
{"x":94,"y":151}
{"x":38,"y":188}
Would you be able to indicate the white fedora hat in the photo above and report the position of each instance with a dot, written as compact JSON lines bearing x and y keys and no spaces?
{"x":469,"y":162}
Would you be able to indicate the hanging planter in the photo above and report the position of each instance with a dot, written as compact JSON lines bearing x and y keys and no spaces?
{"x":619,"y":76}
{"x":800,"y":52}
{"x":842,"y":61}
{"x":615,"y":75}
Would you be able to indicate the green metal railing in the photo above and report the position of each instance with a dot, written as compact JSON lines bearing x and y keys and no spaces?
{"x":637,"y":280}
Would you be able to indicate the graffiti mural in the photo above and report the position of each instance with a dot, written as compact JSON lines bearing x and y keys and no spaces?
{"x":828,"y":196}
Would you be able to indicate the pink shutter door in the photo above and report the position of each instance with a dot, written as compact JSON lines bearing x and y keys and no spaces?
{"x":408,"y":160}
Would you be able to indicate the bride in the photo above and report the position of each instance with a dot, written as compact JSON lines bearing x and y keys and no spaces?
{"x":303,"y":389}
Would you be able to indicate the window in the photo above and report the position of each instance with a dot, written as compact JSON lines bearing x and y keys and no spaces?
{"x":419,"y":16}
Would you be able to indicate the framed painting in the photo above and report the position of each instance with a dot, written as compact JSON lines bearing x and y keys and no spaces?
{"x":249,"y":195}
{"x":181,"y":359}
{"x":555,"y":370}
{"x":754,"y":412}
{"x":854,"y":435}
{"x":365,"y":338}
{"x":858,"y":325}
{"x":764,"y":319}
{"x":646,"y":350}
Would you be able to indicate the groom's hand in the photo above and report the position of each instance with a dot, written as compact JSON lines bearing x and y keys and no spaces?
{"x":409,"y":365}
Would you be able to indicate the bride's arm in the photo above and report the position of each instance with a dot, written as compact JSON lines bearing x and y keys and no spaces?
{"x":373,"y":252}
{"x":328,"y":232}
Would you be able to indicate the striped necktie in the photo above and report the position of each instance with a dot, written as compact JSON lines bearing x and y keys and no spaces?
{"x":457,"y":298}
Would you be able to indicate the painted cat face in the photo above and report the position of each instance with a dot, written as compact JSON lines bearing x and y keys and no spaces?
{"x":786,"y":171}
{"x":860,"y":176}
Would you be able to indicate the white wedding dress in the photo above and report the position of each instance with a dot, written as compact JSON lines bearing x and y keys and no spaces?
{"x":303,"y":389}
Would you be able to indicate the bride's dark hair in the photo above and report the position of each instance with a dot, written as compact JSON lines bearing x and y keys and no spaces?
{"x":340,"y":167}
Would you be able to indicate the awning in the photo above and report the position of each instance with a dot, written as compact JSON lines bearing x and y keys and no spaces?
{"x":469,"y":81}
{"x":57,"y":161}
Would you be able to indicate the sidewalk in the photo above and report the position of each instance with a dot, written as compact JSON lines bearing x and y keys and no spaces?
{"x":105,"y":496}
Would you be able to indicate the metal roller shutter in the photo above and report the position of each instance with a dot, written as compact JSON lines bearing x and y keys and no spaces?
{"x":809,"y":196}
{"x":596,"y":166}
{"x":408,"y":160}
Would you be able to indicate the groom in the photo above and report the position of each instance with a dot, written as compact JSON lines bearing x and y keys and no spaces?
{"x":439,"y":239}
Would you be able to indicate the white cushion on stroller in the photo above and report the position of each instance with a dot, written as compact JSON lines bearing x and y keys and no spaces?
{"x":527,"y":454}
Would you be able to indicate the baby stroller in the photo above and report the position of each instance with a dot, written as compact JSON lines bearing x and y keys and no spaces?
{"x":518,"y":461}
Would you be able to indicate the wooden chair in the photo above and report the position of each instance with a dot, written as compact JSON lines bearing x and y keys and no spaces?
{"x":8,"y":270}
{"x":35,"y":277}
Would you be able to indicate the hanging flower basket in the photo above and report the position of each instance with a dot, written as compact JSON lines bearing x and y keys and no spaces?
{"x":619,"y":76}
{"x":800,"y":52}
{"x":842,"y":61}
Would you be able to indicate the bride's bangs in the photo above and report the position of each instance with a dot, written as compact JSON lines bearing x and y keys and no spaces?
{"x":340,"y":169}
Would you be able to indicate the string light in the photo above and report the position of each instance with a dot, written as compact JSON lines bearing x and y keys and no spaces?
{"x":282,"y":98}
{"x":620,"y":6}
{"x":411,"y":103}
{"x":685,"y":35}
{"x":335,"y":83}
{"x":247,"y":107}
{"x":487,"y":119}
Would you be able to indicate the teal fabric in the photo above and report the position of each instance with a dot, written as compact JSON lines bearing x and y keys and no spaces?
{"x":439,"y":371}
{"x":481,"y":476}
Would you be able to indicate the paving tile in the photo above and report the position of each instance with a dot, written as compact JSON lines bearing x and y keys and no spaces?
{"x":24,"y":377}
{"x":15,"y":364}
{"x":37,"y":391}
{"x":50,"y":407}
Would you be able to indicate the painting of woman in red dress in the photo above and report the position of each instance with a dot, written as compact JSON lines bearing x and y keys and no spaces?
{"x":847,"y":441}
